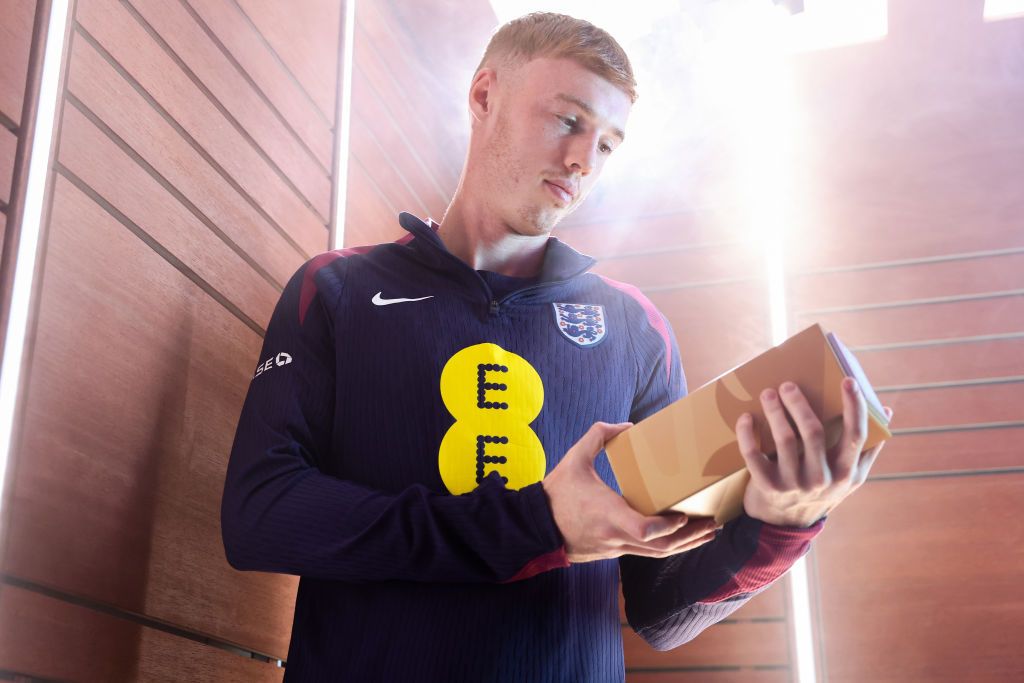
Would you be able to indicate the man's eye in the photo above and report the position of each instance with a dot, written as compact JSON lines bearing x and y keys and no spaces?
{"x":567,"y":121}
{"x":605,"y":148}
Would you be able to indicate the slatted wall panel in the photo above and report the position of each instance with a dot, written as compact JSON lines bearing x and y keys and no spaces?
{"x":15,"y":41}
{"x":915,"y":256}
{"x":410,"y":81}
{"x":192,"y":179}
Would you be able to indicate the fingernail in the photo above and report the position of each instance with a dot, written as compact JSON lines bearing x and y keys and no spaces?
{"x":770,"y":395}
{"x":788,"y":387}
{"x":851,"y":386}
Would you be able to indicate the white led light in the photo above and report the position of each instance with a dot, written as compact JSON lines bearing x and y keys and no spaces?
{"x":344,"y":125}
{"x":31,"y":219}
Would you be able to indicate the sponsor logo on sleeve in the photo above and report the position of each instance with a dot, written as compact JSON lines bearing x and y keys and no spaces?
{"x":272,"y":362}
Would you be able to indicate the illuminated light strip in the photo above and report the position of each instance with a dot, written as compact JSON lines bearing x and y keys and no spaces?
{"x":344,"y":125}
{"x":31,"y":221}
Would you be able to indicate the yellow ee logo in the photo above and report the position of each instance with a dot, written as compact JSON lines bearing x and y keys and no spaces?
{"x":494,"y":395}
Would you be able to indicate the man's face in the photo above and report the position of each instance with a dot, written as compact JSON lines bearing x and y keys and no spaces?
{"x":553,"y":126}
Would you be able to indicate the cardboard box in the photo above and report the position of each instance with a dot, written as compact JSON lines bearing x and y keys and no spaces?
{"x":686,"y":458}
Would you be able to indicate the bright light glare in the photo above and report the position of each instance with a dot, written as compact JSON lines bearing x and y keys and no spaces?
{"x":344,"y":126}
{"x":32,"y":215}
{"x":831,"y":23}
{"x":1003,"y":9}
{"x":626,"y":22}
{"x":801,"y":605}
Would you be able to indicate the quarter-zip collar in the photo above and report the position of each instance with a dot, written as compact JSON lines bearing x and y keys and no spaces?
{"x":561,"y":262}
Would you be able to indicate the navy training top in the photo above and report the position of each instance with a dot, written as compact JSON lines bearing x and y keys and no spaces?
{"x":390,"y":451}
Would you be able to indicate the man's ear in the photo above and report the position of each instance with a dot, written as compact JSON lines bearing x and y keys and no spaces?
{"x":481,"y":93}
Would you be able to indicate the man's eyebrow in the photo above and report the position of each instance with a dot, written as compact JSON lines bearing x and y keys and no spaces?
{"x":589,"y":110}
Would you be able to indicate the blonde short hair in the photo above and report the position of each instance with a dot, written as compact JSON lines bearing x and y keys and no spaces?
{"x":546,"y":34}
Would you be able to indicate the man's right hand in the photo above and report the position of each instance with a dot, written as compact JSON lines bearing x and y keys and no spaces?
{"x":598,"y":523}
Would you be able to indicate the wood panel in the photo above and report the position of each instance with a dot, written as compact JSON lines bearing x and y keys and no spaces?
{"x":742,"y":643}
{"x":226,"y":22}
{"x":15,"y":39}
{"x":996,"y":315}
{"x":683,"y":266}
{"x":385,"y":50}
{"x":368,"y":154}
{"x":617,"y":233}
{"x":958,"y":450}
{"x":919,"y":281}
{"x":126,"y":42}
{"x":137,"y":377}
{"x":920,"y":581}
{"x":378,"y":97}
{"x":106,"y":98}
{"x":717,"y":327}
{"x":398,"y":164}
{"x":8,"y":146}
{"x":369,"y":218}
{"x":133,"y":192}
{"x":957,"y":405}
{"x":233,"y":94}
{"x":943,"y":363}
{"x":306,"y":37}
{"x":56,"y":640}
{"x":739,"y":675}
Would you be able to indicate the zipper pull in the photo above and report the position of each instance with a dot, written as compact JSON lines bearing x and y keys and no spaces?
{"x":494,"y":307}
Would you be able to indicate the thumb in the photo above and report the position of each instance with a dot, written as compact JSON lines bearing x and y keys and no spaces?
{"x":591,"y":443}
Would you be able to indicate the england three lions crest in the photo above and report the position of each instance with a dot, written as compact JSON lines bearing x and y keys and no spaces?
{"x":582,"y":324}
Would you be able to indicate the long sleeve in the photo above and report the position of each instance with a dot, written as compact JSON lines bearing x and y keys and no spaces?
{"x":669,"y":601}
{"x":281,"y":513}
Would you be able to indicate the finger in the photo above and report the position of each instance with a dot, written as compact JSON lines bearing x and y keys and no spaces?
{"x":750,"y":448}
{"x":669,"y":550}
{"x":855,"y":428}
{"x":635,"y":527}
{"x":786,"y":443}
{"x":592,"y":443}
{"x":812,"y":432}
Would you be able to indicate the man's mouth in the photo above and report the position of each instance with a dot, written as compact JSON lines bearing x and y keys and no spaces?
{"x":561,"y":189}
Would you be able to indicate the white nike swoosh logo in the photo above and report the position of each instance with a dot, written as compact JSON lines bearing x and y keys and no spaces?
{"x":384,"y":302}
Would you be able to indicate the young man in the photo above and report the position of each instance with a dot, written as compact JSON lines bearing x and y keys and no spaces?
{"x":421,"y":441}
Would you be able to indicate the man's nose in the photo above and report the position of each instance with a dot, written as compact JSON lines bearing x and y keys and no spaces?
{"x":582,"y":154}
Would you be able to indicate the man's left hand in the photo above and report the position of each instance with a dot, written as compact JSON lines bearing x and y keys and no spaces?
{"x":807,"y":479}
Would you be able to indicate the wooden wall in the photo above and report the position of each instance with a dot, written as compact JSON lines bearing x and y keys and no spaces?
{"x":15,"y":44}
{"x":193,"y":176}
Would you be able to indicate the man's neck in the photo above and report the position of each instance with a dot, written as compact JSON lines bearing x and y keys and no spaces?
{"x":486,"y":243}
